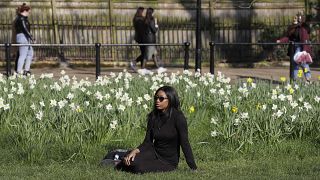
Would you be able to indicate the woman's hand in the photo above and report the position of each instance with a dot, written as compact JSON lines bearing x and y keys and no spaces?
{"x":130,"y":157}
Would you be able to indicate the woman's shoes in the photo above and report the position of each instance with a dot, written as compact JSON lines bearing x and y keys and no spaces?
{"x":26,"y":73}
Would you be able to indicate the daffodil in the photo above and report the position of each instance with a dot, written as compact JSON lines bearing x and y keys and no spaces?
{"x":283,"y":79}
{"x":259,"y":106}
{"x":191,"y":109}
{"x":234,"y":109}
{"x":291,"y":91}
{"x":306,"y":70}
{"x":300,"y":72}
{"x":79,"y":110}
{"x":319,"y":78}
{"x":249,"y":80}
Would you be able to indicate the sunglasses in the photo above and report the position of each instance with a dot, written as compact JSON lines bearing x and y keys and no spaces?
{"x":160,"y":98}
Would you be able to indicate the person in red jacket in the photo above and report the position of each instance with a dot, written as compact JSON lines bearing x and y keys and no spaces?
{"x":298,"y":32}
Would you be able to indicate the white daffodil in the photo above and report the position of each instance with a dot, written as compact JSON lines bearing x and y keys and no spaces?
{"x":236,"y":122}
{"x":264,"y":107}
{"x":226,"y":104}
{"x":33,"y":106}
{"x":6,"y":106}
{"x":10,"y":96}
{"x":294,"y":104}
{"x":108,"y":107}
{"x":307,"y":106}
{"x":70,"y":96}
{"x":293,"y":118}
{"x":221,"y":91}
{"x":147,"y":97}
{"x":278,"y":114}
{"x":317,"y":99}
{"x":282,"y":97}
{"x":290,"y":98}
{"x":62,"y":103}
{"x":42,"y":104}
{"x":214,"y":133}
{"x":274,"y":106}
{"x":244,"y":115}
{"x":39,"y":115}
{"x":213,"y":121}
{"x":121,"y":107}
{"x":53,"y":103}
{"x":139,"y":100}
{"x":87,"y":103}
{"x":98,"y":95}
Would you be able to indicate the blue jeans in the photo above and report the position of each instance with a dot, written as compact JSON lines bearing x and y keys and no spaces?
{"x":25,"y":54}
{"x":305,"y":67}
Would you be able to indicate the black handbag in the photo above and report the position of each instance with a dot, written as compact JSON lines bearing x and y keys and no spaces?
{"x":114,"y":157}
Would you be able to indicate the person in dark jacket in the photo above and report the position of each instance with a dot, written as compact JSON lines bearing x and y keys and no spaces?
{"x":166,"y":132}
{"x":298,"y":32}
{"x":23,"y":36}
{"x":139,"y":29}
{"x":151,"y":28}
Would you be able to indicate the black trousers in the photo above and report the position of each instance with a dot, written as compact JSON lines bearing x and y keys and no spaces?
{"x":141,"y":56}
{"x":145,"y":162}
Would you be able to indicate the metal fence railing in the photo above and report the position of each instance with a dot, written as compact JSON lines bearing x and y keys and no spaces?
{"x":64,"y":51}
{"x":216,"y":45}
{"x":185,"y":47}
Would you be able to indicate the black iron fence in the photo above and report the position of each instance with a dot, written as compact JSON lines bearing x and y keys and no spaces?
{"x":92,"y":52}
{"x":97,"y":48}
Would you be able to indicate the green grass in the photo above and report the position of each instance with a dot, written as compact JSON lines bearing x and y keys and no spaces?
{"x":286,"y":160}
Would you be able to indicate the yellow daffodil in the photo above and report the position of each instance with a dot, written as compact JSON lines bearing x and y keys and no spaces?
{"x":319,"y":78}
{"x":259,"y":106}
{"x":291,"y":91}
{"x":191,"y":109}
{"x":79,"y":110}
{"x":300,"y":72}
{"x":249,"y":80}
{"x":234,"y":109}
{"x":283,"y":79}
{"x":306,"y":70}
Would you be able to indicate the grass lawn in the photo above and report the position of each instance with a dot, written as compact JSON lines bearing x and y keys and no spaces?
{"x":287,"y":160}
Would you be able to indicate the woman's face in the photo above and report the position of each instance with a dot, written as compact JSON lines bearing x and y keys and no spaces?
{"x":161,"y":101}
{"x":26,"y":13}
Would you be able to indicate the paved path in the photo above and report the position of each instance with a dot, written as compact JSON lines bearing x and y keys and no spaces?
{"x":233,"y":73}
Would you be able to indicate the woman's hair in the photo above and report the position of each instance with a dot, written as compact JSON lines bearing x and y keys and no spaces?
{"x":172,"y":96}
{"x":149,"y":16}
{"x":173,"y":104}
{"x":139,"y":12}
{"x":22,"y":8}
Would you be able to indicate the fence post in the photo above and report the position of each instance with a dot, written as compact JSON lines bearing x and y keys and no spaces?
{"x":8,"y":60}
{"x":54,"y":21}
{"x":186,"y":55}
{"x":212,"y":46}
{"x":291,"y":45}
{"x":98,"y":66}
{"x":198,"y":37}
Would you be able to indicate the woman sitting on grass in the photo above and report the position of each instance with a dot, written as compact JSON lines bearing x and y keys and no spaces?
{"x":167,"y":130}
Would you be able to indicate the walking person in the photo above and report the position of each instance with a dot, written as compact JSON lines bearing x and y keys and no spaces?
{"x":139,"y":28}
{"x":23,"y":36}
{"x":298,"y":32}
{"x":167,"y":130}
{"x":151,"y":28}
